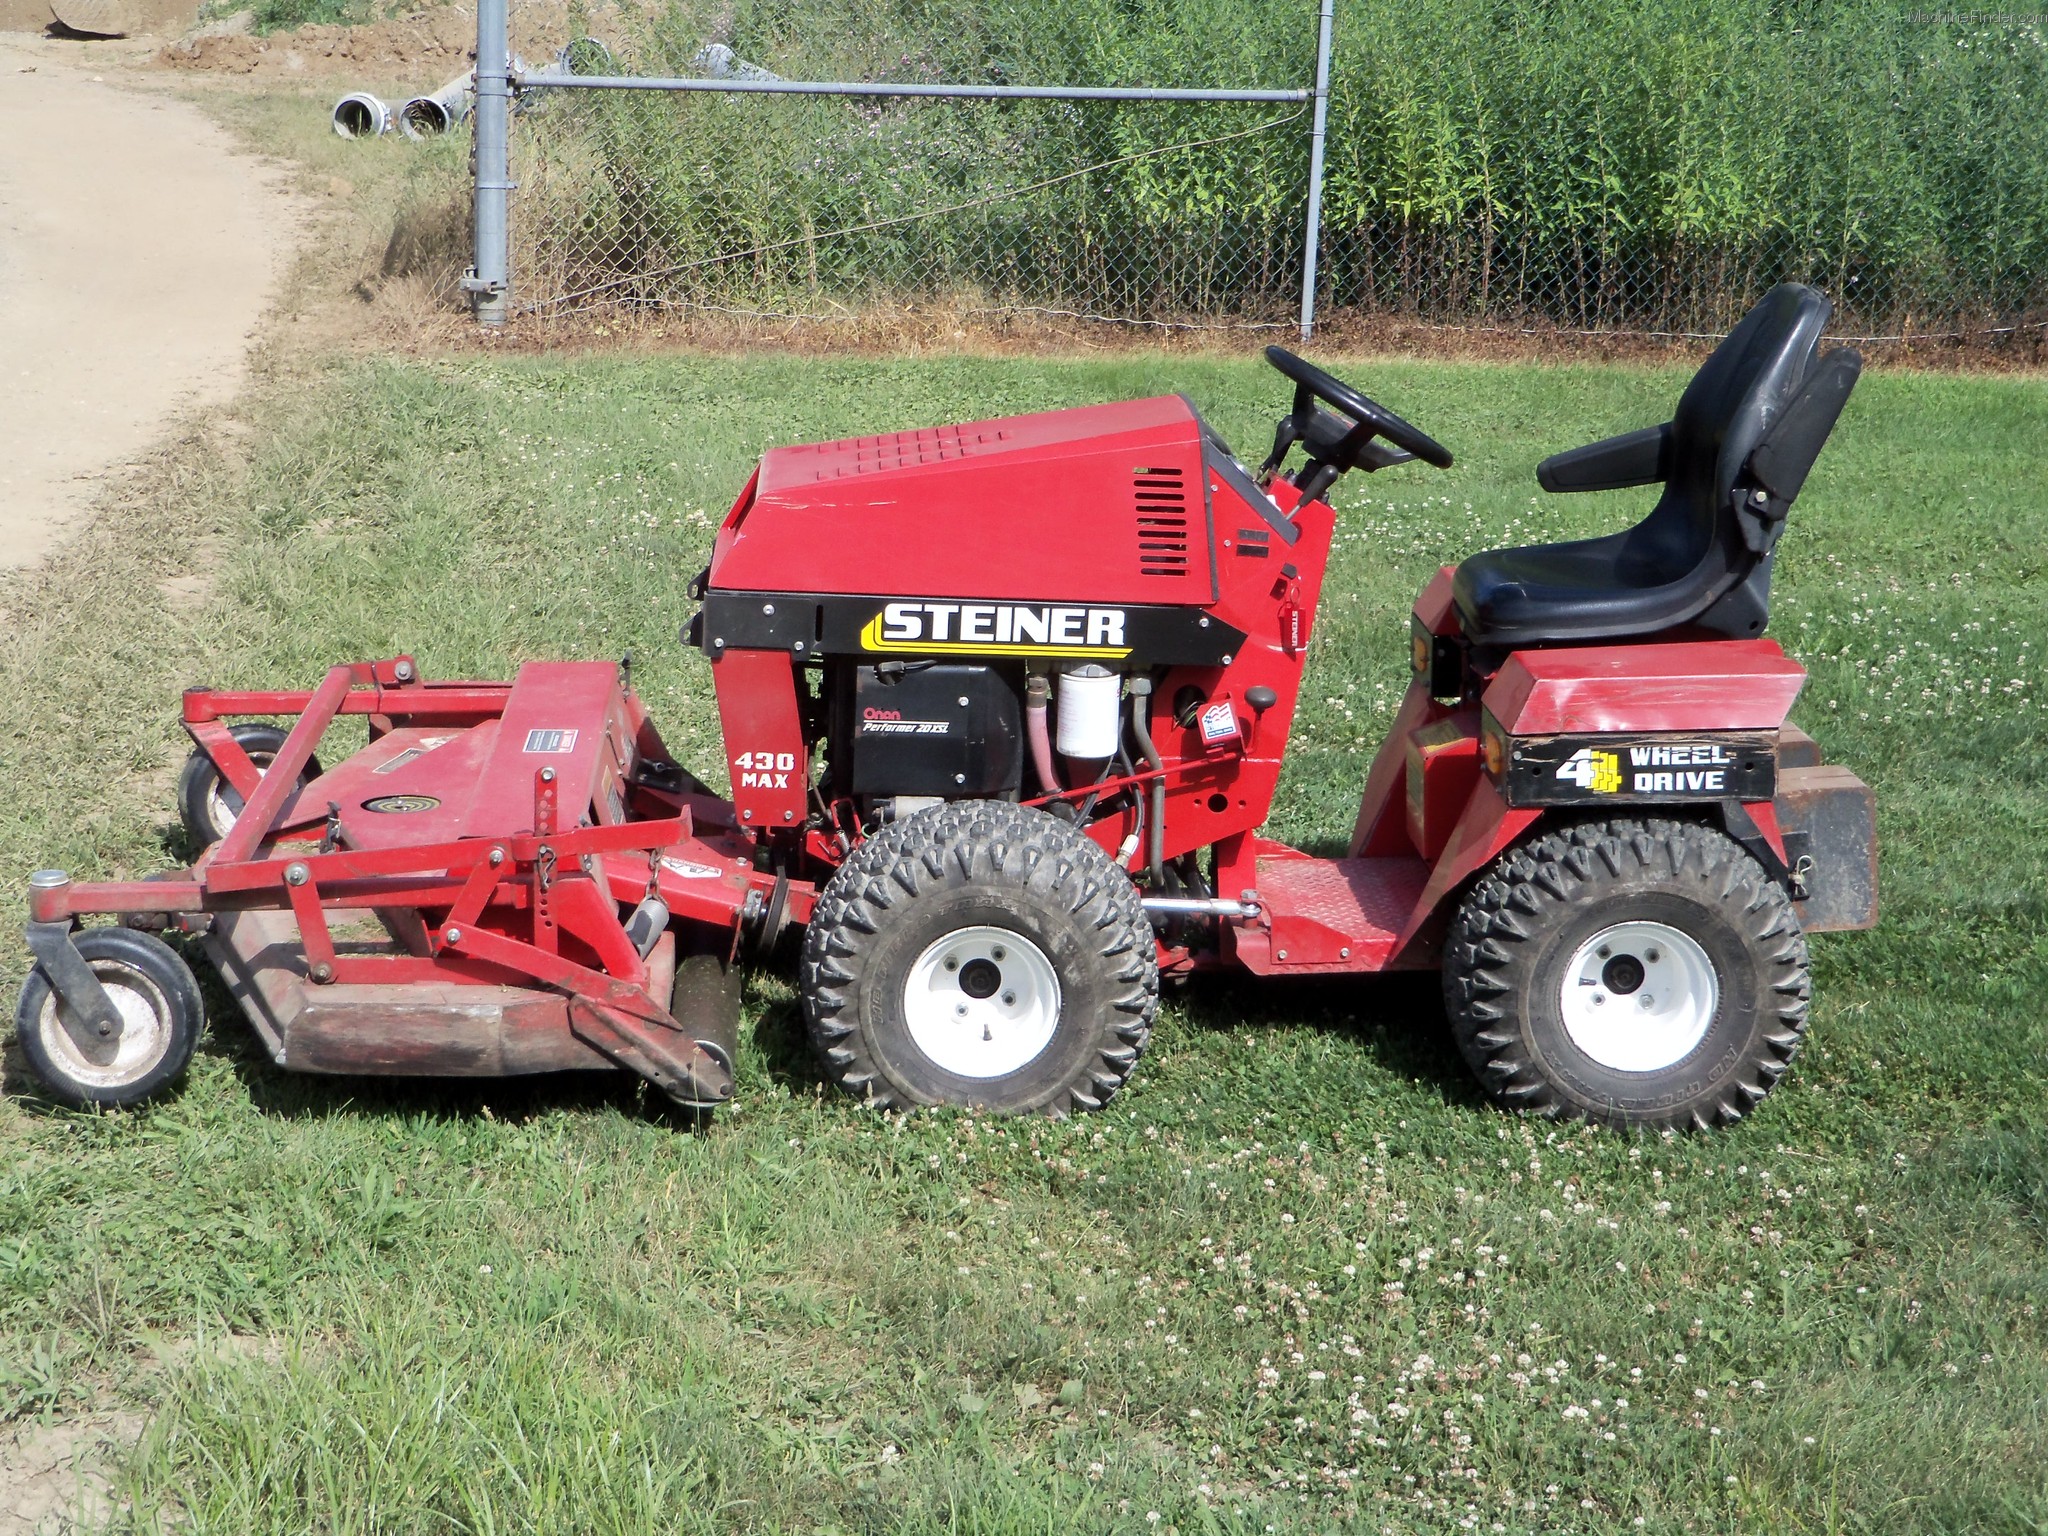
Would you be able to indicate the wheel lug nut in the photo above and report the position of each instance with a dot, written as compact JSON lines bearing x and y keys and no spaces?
{"x":1009,"y":999}
{"x":960,"y":1009}
{"x":1604,"y":951}
{"x":1648,"y":1001}
{"x":1599,"y":998}
{"x":952,"y":964}
{"x":1651,"y":955}
{"x":996,"y":953}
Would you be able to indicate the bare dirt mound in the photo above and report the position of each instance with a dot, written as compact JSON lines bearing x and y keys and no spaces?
{"x":442,"y":36}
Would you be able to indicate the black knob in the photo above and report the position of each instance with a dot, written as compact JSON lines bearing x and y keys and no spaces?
{"x":1261,"y":698}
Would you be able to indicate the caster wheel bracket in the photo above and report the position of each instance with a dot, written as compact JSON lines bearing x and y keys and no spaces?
{"x":89,"y":1015}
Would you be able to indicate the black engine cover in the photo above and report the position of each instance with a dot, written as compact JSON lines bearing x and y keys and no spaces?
{"x":936,"y":729}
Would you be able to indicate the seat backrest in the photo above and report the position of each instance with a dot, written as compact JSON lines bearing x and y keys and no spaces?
{"x":1705,"y":531}
{"x":1741,"y":391}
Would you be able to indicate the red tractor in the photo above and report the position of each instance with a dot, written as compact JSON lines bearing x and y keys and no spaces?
{"x":1004,"y":708}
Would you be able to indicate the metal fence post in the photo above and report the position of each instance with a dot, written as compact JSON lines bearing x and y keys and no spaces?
{"x":1315,"y":175}
{"x":489,"y":281}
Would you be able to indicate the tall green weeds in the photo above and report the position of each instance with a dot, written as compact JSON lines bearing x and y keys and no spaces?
{"x":1645,"y":163}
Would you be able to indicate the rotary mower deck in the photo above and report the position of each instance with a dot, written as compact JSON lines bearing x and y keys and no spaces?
{"x":1005,"y":707}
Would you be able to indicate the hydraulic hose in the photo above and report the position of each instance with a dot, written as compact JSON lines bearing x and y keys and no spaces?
{"x":1155,"y":829}
{"x":1035,"y":691}
{"x":1088,"y":806}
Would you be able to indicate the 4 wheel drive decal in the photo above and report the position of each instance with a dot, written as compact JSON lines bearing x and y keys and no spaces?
{"x":1592,"y":769}
{"x":1609,"y":769}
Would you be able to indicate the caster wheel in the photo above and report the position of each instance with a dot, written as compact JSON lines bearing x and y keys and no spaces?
{"x":1638,"y":972}
{"x":161,"y":1014}
{"x":980,"y":954}
{"x":207,"y":803}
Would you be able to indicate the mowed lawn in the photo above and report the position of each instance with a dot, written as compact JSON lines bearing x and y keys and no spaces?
{"x":1299,"y":1278}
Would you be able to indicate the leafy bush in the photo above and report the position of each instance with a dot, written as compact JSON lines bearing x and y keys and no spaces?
{"x":282,"y":15}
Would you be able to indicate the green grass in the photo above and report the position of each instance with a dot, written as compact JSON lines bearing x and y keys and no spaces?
{"x":1299,"y":1278}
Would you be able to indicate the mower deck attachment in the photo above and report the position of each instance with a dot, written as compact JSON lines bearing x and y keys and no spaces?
{"x":449,"y":900}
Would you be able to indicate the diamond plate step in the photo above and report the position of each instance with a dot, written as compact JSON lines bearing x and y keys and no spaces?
{"x":1335,"y":914}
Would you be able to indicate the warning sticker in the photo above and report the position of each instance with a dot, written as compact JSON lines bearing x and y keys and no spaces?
{"x":1219,"y":723}
{"x":550,"y":741}
{"x":688,"y":870}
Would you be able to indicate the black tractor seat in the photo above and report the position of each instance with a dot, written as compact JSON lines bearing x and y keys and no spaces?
{"x":1731,"y":460}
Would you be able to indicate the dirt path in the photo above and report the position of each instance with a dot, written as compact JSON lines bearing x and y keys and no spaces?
{"x":138,"y":249}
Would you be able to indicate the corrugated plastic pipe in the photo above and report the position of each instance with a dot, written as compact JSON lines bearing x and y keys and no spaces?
{"x":359,"y":115}
{"x":437,"y":112}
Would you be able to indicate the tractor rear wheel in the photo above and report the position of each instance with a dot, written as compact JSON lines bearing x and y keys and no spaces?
{"x":980,"y":954}
{"x":1636,"y":971}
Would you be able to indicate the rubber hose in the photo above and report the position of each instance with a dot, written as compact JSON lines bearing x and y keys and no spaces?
{"x":1155,"y":831}
{"x":1035,"y":690}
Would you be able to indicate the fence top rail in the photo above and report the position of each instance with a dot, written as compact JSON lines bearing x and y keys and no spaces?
{"x":552,"y":81}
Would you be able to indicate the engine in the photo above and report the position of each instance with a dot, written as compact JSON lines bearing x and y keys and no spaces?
{"x":924,"y":731}
{"x":901,"y":735}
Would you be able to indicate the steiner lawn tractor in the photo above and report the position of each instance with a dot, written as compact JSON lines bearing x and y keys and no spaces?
{"x":1004,"y":707}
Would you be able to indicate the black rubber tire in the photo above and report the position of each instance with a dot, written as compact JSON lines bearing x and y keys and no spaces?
{"x":142,"y":966}
{"x":980,"y":864}
{"x":200,"y":778}
{"x":1509,"y":946}
{"x":706,"y":997}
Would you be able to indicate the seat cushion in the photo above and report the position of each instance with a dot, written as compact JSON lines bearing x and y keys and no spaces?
{"x":1587,"y":589}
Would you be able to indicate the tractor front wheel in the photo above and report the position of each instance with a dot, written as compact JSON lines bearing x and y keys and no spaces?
{"x":1636,"y":971}
{"x":980,"y":954}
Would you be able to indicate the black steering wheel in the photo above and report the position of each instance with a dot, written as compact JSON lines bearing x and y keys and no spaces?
{"x":1352,"y":448}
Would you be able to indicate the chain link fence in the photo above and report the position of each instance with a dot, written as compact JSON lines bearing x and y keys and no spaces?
{"x":819,"y":207}
{"x":1494,"y":188}
{"x":1489,"y":274}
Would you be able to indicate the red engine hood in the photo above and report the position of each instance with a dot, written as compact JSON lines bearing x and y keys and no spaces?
{"x":1103,"y":503}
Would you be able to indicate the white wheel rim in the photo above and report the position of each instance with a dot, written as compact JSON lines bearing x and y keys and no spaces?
{"x":1639,"y":997}
{"x":982,"y":1002}
{"x":145,"y":1029}
{"x":224,"y":803}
